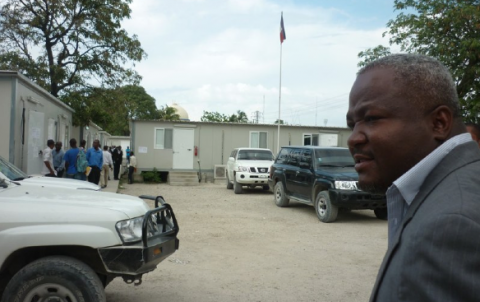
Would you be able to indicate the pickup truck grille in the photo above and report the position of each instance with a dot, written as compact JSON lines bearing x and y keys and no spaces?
{"x":159,"y":222}
{"x":258,"y":170}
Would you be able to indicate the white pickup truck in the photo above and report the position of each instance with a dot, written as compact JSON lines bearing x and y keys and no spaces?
{"x":248,"y":167}
{"x":64,"y":244}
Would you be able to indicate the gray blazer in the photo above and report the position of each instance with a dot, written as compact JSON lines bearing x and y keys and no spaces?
{"x":435,"y":255}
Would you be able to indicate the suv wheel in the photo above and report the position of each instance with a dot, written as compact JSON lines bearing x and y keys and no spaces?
{"x":229,"y":184}
{"x":326,"y":211}
{"x":237,"y":187}
{"x":381,"y":213}
{"x":279,"y":196}
{"x":55,"y":279}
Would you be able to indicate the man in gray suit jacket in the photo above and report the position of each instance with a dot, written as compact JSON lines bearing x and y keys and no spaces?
{"x":408,"y":140}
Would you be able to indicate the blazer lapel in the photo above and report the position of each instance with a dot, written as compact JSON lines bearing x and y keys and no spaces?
{"x":460,"y":156}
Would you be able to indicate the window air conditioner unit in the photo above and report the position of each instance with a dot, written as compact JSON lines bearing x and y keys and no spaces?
{"x":220,"y":172}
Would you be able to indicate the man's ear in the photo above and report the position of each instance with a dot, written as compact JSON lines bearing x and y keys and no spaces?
{"x":442,"y":120}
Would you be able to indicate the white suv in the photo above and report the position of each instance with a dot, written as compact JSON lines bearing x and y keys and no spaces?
{"x":63,"y":244}
{"x":248,"y":167}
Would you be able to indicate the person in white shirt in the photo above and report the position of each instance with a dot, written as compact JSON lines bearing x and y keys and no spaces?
{"x":107,"y":165}
{"x":48,"y":160}
{"x":132,"y":167}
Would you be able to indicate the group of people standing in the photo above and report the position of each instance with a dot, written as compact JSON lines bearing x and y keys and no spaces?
{"x":90,"y":164}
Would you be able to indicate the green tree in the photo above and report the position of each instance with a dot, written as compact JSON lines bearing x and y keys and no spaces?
{"x":67,"y":45}
{"x":372,"y":54}
{"x":112,"y":109}
{"x":168,"y":113}
{"x":447,"y":30}
{"x":213,"y":117}
{"x":239,"y":117}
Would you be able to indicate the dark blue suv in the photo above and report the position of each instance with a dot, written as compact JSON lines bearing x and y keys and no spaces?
{"x":322,"y":177}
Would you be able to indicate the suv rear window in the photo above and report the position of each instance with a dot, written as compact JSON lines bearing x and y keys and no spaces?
{"x":255,"y":155}
{"x":334,"y":158}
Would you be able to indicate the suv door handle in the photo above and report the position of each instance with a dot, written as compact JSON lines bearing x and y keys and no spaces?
{"x":297,"y":172}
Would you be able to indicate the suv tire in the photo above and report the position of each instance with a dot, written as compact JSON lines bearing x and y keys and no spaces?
{"x":381,"y":213}
{"x":229,"y":184}
{"x":56,"y":276}
{"x":279,"y":195}
{"x":326,"y":211}
{"x":237,"y":187}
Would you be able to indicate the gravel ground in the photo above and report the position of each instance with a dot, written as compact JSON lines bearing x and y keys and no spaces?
{"x":244,"y":248}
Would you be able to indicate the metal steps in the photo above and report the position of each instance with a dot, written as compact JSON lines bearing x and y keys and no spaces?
{"x":181,"y":178}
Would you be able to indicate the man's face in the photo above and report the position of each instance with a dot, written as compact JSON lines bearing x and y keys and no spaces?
{"x":96,"y":144}
{"x":389,"y":134}
{"x":58,"y":146}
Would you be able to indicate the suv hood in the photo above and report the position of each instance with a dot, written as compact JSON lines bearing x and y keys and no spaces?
{"x":81,"y":204}
{"x":338,"y":173}
{"x":59,"y":182}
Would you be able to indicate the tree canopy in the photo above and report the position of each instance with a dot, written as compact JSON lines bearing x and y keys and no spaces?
{"x":168,"y":113}
{"x":239,"y":117}
{"x":69,"y":45}
{"x":446,"y":30}
{"x":113,"y":108}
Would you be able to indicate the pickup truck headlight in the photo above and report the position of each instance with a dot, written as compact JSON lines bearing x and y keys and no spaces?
{"x":242,"y":169}
{"x":346,"y":185}
{"x":130,"y":230}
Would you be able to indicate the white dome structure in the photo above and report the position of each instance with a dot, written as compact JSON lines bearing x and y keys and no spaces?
{"x":180,"y":111}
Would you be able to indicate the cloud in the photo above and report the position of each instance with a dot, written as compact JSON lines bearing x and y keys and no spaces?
{"x":224,"y":56}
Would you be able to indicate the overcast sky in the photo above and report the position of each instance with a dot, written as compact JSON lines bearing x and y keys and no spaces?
{"x":224,"y":55}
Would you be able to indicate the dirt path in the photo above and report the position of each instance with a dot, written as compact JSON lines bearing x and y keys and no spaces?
{"x":244,"y":248}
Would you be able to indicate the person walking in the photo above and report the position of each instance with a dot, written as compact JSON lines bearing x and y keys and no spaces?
{"x":95,"y":162}
{"x":82,"y":162}
{"x":127,"y":152}
{"x":117,"y":157}
{"x":70,"y":159}
{"x":107,"y":166}
{"x":409,"y":141}
{"x":132,"y":167}
{"x":58,"y":159}
{"x":48,"y":169}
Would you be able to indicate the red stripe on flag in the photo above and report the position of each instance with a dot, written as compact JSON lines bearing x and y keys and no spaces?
{"x":282,"y":31}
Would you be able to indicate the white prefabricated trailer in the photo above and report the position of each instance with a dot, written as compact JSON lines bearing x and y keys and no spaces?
{"x":29,"y":116}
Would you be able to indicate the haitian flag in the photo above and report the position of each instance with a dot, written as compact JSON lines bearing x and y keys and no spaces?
{"x":282,"y":30}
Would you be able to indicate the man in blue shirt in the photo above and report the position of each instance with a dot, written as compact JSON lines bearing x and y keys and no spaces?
{"x":95,"y":162}
{"x":70,"y":159}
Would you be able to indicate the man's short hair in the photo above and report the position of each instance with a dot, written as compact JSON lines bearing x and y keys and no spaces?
{"x":105,"y":148}
{"x":425,"y":81}
{"x":83,"y":143}
{"x":50,"y":142}
{"x":73,"y":142}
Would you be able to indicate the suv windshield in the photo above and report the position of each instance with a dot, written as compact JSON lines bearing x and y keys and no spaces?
{"x":333,"y":158}
{"x":10,"y":171}
{"x":255,"y":155}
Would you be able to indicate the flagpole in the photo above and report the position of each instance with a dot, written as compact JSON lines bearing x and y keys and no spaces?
{"x":279,"y":100}
{"x":282,"y":37}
